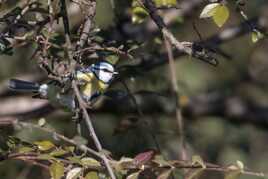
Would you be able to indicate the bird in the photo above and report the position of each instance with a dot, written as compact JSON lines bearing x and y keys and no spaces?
{"x":93,"y":81}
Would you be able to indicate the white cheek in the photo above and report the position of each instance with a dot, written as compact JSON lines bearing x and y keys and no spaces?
{"x":105,"y":77}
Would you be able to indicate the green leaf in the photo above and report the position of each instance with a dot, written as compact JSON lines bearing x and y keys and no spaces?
{"x":123,"y":164}
{"x":113,"y":59}
{"x":75,"y":159}
{"x":165,"y":3}
{"x":46,"y":157}
{"x":74,"y":173}
{"x":58,"y":152}
{"x":56,"y":170}
{"x":92,"y":175}
{"x":218,"y":12}
{"x":209,"y":10}
{"x":44,"y":145}
{"x":256,"y":36}
{"x":25,"y":149}
{"x":221,"y":15}
{"x":90,"y":162}
{"x":69,"y":148}
{"x":138,"y":15}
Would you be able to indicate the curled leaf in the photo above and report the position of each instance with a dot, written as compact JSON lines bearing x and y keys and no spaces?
{"x":209,"y":10}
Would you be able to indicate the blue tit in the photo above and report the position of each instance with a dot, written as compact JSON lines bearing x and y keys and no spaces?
{"x":49,"y":91}
{"x":95,"y":79}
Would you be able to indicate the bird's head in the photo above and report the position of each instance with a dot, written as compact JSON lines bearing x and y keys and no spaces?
{"x":104,"y":71}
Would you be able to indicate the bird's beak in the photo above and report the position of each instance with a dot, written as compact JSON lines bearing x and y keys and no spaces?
{"x":115,"y":73}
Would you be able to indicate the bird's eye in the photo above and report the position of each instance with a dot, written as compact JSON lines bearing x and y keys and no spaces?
{"x":106,"y":70}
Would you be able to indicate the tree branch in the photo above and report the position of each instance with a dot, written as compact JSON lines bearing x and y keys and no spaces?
{"x":91,"y":130}
{"x":175,"y":88}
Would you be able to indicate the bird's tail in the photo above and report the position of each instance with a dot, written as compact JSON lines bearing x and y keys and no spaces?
{"x":26,"y":86}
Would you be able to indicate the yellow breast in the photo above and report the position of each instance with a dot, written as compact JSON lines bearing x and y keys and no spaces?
{"x":92,"y":87}
{"x":87,"y":77}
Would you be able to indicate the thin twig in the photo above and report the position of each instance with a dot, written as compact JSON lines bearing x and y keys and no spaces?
{"x":90,"y":14}
{"x":108,"y":49}
{"x":175,"y":89}
{"x":64,"y":14}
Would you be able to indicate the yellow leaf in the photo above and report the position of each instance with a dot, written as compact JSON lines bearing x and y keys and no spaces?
{"x":44,"y":145}
{"x":209,"y":10}
{"x":138,"y":14}
{"x":221,"y":15}
{"x":56,"y":170}
{"x":92,"y":175}
{"x":90,"y":162}
{"x":256,"y":36}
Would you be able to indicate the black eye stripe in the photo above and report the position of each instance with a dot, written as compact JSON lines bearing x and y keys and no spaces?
{"x":106,"y":70}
